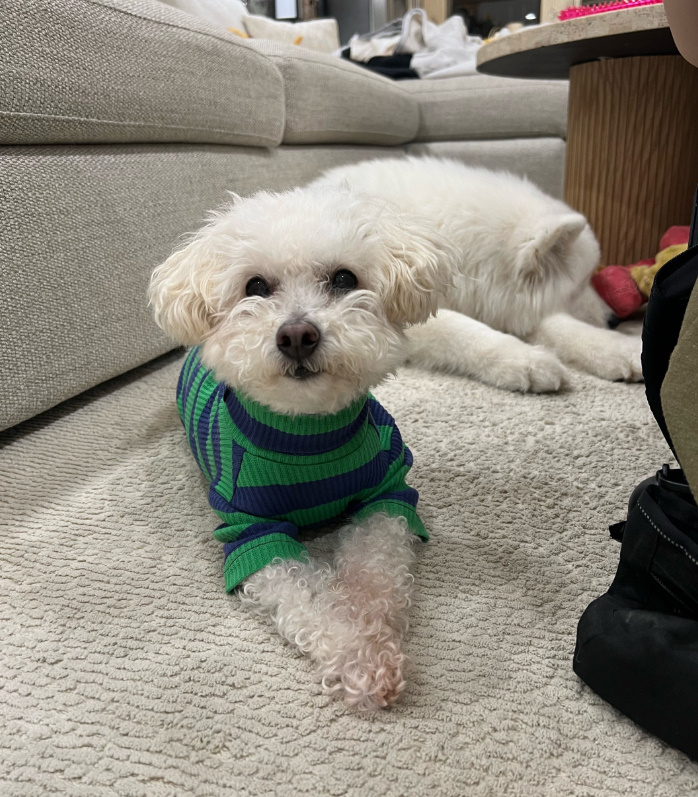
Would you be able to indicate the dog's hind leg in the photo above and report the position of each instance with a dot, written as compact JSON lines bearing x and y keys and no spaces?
{"x":602,"y":352}
{"x":459,"y":344}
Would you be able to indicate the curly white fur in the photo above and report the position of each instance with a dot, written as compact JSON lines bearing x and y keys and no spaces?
{"x":525,"y":262}
{"x":295,"y":241}
{"x":350,"y":618}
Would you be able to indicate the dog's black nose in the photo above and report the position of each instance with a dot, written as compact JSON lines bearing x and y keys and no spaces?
{"x":299,"y":340}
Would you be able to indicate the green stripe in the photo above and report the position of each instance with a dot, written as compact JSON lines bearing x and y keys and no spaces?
{"x":258,"y":472}
{"x":186,"y":372}
{"x":256,"y":554}
{"x":225,"y":481}
{"x":190,"y":363}
{"x":195,"y":404}
{"x":395,"y":508}
{"x":209,"y":436}
{"x":386,"y":435}
{"x":237,"y":523}
{"x":191,"y":399}
{"x":324,"y":513}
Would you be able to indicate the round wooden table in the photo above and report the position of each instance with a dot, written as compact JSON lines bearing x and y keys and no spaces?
{"x":632,"y":131}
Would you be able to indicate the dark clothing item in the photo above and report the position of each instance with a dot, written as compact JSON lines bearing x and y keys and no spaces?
{"x":671,"y":291}
{"x":637,"y":645}
{"x":396,"y":67}
{"x":271,"y":474}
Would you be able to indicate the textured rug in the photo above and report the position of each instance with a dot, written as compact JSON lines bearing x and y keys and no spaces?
{"x":126,"y":670}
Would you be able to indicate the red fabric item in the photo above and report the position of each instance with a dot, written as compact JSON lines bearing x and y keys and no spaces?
{"x":674,"y":235}
{"x":618,"y":289}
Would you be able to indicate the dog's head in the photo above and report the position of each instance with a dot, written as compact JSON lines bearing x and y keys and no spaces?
{"x":300,"y":299}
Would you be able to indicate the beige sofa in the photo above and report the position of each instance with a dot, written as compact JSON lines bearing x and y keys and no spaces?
{"x":123,"y":121}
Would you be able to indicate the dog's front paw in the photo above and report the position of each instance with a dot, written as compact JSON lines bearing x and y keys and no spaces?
{"x":367,"y":678}
{"x":619,"y":362}
{"x":528,"y":369}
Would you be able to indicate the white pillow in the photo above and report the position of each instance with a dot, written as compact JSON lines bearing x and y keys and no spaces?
{"x":223,"y":13}
{"x":321,"y":35}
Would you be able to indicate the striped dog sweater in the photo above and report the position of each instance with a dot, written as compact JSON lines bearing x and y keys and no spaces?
{"x":270,"y":475}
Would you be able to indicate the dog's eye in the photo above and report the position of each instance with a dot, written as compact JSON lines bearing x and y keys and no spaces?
{"x":344,"y":281}
{"x":257,"y":287}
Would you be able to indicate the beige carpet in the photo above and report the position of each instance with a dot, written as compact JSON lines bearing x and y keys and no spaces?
{"x":126,"y":670}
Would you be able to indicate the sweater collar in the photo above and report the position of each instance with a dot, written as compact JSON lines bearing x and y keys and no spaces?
{"x":295,"y":434}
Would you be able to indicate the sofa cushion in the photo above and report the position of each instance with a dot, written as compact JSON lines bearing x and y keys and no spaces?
{"x":222,"y":13}
{"x":330,"y":101}
{"x":109,"y":71}
{"x":483,"y":107}
{"x":321,"y":35}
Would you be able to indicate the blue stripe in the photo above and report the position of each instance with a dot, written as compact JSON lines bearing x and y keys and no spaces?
{"x":279,"y":499}
{"x":379,"y":414}
{"x":257,"y":530}
{"x":272,"y":439}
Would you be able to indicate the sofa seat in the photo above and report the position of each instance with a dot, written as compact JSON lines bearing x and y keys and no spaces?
{"x":331,"y":101}
{"x":131,"y":71}
{"x":482,"y":107}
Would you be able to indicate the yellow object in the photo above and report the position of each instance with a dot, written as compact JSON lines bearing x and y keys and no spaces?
{"x":644,"y":275}
{"x":244,"y":35}
{"x":669,"y":252}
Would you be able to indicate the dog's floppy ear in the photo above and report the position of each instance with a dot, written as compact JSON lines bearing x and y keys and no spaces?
{"x":551,"y":236}
{"x":419,"y":267}
{"x":180,"y":290}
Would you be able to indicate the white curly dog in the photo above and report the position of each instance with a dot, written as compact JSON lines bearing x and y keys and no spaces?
{"x":522,"y":308}
{"x":297,"y":303}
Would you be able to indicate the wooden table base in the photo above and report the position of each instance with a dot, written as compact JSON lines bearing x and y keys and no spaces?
{"x":632,"y":150}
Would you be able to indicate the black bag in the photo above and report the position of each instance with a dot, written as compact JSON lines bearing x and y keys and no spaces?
{"x":637,"y":645}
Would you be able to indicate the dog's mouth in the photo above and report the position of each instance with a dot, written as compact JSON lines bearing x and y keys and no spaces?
{"x":302,"y":372}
